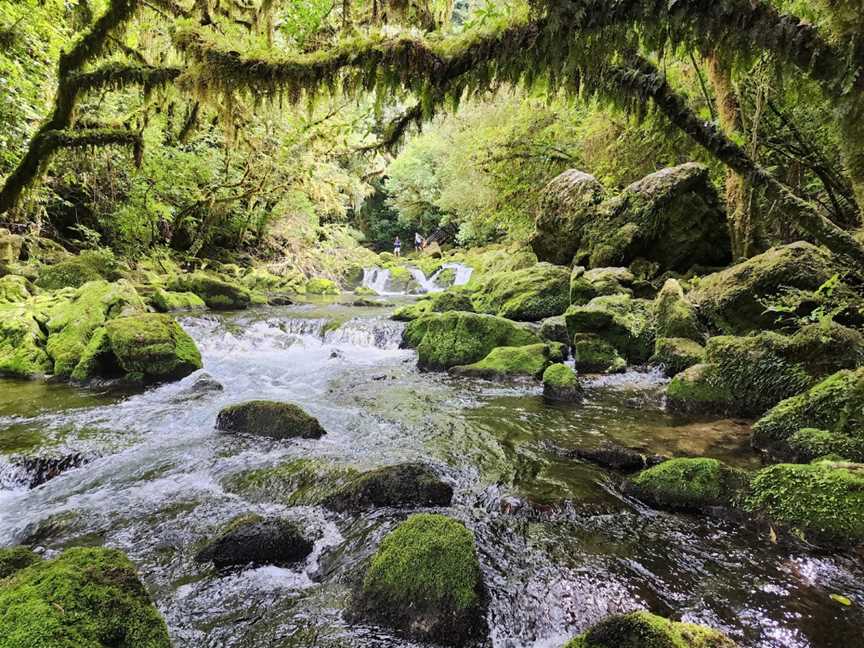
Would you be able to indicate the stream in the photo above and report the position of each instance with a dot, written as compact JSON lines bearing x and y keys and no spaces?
{"x":559,"y":546}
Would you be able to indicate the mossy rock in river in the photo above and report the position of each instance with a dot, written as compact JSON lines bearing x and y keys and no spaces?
{"x":445,"y":340}
{"x":22,"y":342}
{"x":689,"y":484}
{"x":148,"y":347}
{"x":401,"y":485}
{"x":821,"y":502}
{"x":167,"y":301}
{"x":624,"y":322}
{"x":321,"y":286}
{"x":298,"y":482}
{"x":13,"y":559}
{"x":833,"y":411}
{"x":674,"y":355}
{"x":674,"y":316}
{"x":554,"y":329}
{"x":506,"y":362}
{"x":411,"y":312}
{"x":646,"y":630}
{"x":425,"y":581}
{"x":451,"y":300}
{"x":560,"y":384}
{"x":527,"y":295}
{"x":270,"y":419}
{"x":218,"y":293}
{"x":593,"y":354}
{"x":84,"y":597}
{"x":251,"y":539}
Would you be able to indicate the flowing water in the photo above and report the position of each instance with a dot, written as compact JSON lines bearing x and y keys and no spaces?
{"x":559,"y":546}
{"x":380,"y":279}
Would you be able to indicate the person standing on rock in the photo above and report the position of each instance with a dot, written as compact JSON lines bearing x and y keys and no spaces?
{"x":397,"y":247}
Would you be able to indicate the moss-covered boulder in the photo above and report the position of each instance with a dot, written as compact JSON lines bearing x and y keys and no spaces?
{"x":402,"y":485}
{"x":425,"y":581}
{"x":14,"y":289}
{"x":554,"y":329}
{"x":22,"y":342}
{"x":567,"y":203}
{"x":646,"y":630}
{"x":149,"y":347}
{"x":733,"y":300}
{"x":451,"y":300}
{"x":10,"y":246}
{"x":84,"y":597}
{"x":445,"y":340}
{"x":622,"y":321}
{"x":821,"y":502}
{"x":251,"y":539}
{"x":411,"y":312}
{"x":593,"y":354}
{"x":674,"y":316}
{"x":698,"y":390}
{"x":73,"y":322}
{"x":218,"y":293}
{"x":689,"y":484}
{"x":90,"y":265}
{"x":831,"y":412}
{"x":674,"y":355}
{"x":672,"y":217}
{"x":167,"y":301}
{"x":321,"y":286}
{"x":270,"y":419}
{"x":365,"y":291}
{"x":13,"y":559}
{"x":585,"y":285}
{"x":560,"y":384}
{"x":298,"y":482}
{"x":506,"y":362}
{"x":526,"y":295}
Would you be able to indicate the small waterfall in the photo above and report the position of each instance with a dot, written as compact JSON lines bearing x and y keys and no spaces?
{"x":426,"y":285}
{"x":376,"y":279}
{"x":381,"y":334}
{"x":462,"y":274}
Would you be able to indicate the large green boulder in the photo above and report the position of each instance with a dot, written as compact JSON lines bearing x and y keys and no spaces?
{"x":411,"y":312}
{"x":821,"y":502}
{"x":593,"y":354}
{"x":321,"y":286}
{"x":567,"y":203}
{"x":251,"y":539}
{"x":451,"y":300}
{"x":148,"y":347}
{"x":10,"y":246}
{"x":506,"y":362}
{"x":14,"y":289}
{"x":270,"y":419}
{"x":73,"y":322}
{"x":674,"y":355}
{"x":826,"y":419}
{"x":527,"y":295}
{"x":90,"y":265}
{"x":733,"y":301}
{"x":445,"y":340}
{"x":689,"y":484}
{"x":585,"y":285}
{"x":218,"y":293}
{"x":622,"y":321}
{"x":561,"y":384}
{"x":425,"y":581}
{"x":168,"y":301}
{"x":85,"y":597}
{"x":674,"y":316}
{"x":22,"y":342}
{"x":645,"y":630}
{"x":672,"y":217}
{"x":554,"y":329}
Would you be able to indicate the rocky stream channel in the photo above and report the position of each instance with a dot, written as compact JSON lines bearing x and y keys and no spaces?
{"x":559,"y":546}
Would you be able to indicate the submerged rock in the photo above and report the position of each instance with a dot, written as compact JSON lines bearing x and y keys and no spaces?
{"x":689,"y":484}
{"x":560,"y":384}
{"x":251,"y":539}
{"x":84,"y":597}
{"x":40,"y":469}
{"x":645,"y":630}
{"x":527,"y":295}
{"x":445,"y":340}
{"x":403,"y":485}
{"x":217,"y":293}
{"x":617,"y":457}
{"x":425,"y":581}
{"x":13,"y":559}
{"x":510,"y":361}
{"x":203,"y":385}
{"x":623,"y":322}
{"x":826,"y":419}
{"x":270,"y":419}
{"x":674,"y":355}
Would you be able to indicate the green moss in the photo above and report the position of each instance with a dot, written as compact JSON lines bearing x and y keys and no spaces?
{"x":808,"y":444}
{"x":835,"y":405}
{"x":400,"y":485}
{"x":624,"y":322}
{"x":365,"y":291}
{"x":560,"y":383}
{"x":593,"y":354}
{"x":85,"y":597}
{"x":300,"y":482}
{"x":269,"y":418}
{"x":674,"y":316}
{"x":501,"y":362}
{"x":13,"y":559}
{"x":451,"y":300}
{"x":321,"y":286}
{"x":689,"y":484}
{"x":645,"y":630}
{"x":166,"y":301}
{"x":823,"y":501}
{"x":217,"y":293}
{"x":675,"y":355}
{"x":445,"y":340}
{"x":22,"y":342}
{"x":697,"y":390}
{"x":72,"y":273}
{"x":14,"y":289}
{"x":427,"y":558}
{"x":411,"y":312}
{"x":530,"y":294}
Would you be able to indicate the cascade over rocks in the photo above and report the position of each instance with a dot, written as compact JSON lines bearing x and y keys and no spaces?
{"x":251,"y":539}
{"x":672,"y":217}
{"x":425,"y":581}
{"x":269,"y":419}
